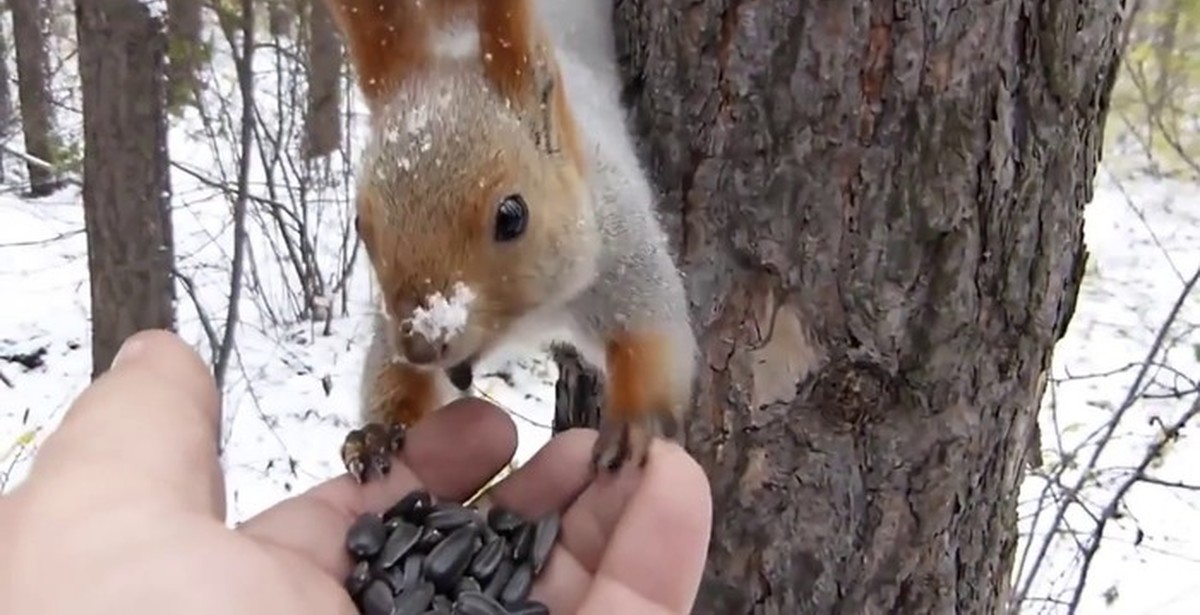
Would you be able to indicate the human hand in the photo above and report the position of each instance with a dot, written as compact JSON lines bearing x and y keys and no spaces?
{"x":123,"y":510}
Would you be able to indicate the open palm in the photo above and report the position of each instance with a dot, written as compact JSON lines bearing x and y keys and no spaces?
{"x":123,"y":509}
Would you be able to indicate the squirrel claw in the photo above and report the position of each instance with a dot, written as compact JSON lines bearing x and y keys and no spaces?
{"x":371,"y":447}
{"x":621,"y":441}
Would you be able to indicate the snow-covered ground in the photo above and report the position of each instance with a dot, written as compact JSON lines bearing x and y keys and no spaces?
{"x":283,"y":428}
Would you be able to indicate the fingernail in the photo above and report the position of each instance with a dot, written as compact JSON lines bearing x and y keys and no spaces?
{"x":128,"y":350}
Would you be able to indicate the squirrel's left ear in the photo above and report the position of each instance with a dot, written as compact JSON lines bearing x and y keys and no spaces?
{"x":518,"y":61}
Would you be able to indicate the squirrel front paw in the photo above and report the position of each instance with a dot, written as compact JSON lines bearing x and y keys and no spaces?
{"x":622,"y":440}
{"x":370,"y":448}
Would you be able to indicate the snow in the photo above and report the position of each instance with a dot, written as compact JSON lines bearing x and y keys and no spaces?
{"x":292,"y":389}
{"x":445,"y":317}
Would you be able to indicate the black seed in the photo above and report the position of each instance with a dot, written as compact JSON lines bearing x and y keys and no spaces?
{"x":399,"y":543}
{"x":544,"y":535}
{"x":394,"y":577}
{"x":365,"y":536}
{"x":517,"y":588}
{"x":412,"y":570}
{"x":415,"y":600}
{"x":447,"y":561}
{"x":468,"y":584}
{"x":503,"y":573}
{"x":442,"y":603}
{"x":412,"y":507}
{"x":488,"y":558}
{"x":529,"y":607}
{"x":377,"y":599}
{"x":358,"y":578}
{"x":429,"y":539}
{"x":504,"y":521}
{"x":522,"y":542}
{"x":449,"y":517}
{"x":476,"y":603}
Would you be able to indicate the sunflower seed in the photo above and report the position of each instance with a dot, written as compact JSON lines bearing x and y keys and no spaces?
{"x":415,"y":600}
{"x":467,"y":584}
{"x":499,"y":579}
{"x":366,"y":535}
{"x":413,"y":564}
{"x":449,"y":517}
{"x":504,"y":521}
{"x":487,"y":558}
{"x":430,"y":538}
{"x":544,"y":536}
{"x":447,"y":562}
{"x":517,"y":588}
{"x":412,"y":507}
{"x":377,"y":599}
{"x":358,"y":578}
{"x":522,"y":542}
{"x":529,"y":607}
{"x":476,"y":603}
{"x":399,"y":543}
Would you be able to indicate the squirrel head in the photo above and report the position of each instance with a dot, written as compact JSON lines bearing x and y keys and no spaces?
{"x":472,"y":202}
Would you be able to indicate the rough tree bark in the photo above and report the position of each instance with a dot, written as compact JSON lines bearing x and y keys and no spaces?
{"x":126,"y":187}
{"x":323,"y":121}
{"x":185,"y":53}
{"x":878,"y":206}
{"x":33,"y":90}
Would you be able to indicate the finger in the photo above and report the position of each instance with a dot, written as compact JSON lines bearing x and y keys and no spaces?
{"x":559,"y":478}
{"x":146,"y":430}
{"x":551,"y":479}
{"x":453,"y":453}
{"x":658,"y":548}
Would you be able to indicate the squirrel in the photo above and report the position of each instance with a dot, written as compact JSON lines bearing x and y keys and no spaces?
{"x":500,"y":199}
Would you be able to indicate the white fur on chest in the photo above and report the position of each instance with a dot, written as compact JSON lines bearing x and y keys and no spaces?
{"x":457,"y":41}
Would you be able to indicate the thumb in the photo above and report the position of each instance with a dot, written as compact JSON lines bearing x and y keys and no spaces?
{"x":148,"y":429}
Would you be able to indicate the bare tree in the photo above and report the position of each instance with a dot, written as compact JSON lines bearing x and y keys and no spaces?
{"x":281,"y":17}
{"x":33,"y":89}
{"x":126,"y":182}
{"x":323,"y":128}
{"x":878,"y":207}
{"x":7,"y":121}
{"x":185,"y":52}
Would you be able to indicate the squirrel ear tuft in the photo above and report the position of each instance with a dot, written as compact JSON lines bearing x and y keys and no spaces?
{"x":519,"y":63}
{"x":387,"y":41}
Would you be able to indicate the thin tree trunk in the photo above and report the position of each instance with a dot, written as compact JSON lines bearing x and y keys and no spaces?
{"x":33,"y":89}
{"x":126,"y":187}
{"x":7,"y":121}
{"x":323,"y":122}
{"x":879,"y":210}
{"x":281,"y":17}
{"x":185,"y":53}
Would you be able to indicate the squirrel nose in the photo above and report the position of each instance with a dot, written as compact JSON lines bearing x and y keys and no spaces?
{"x":418,"y":349}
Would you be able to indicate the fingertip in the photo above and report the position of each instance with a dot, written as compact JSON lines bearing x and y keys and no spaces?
{"x":556,"y":474}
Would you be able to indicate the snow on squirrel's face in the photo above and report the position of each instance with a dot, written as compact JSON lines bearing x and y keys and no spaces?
{"x":469,"y":225}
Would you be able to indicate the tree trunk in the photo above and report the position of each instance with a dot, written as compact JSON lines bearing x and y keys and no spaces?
{"x":281,"y":17}
{"x":33,"y":90}
{"x":879,"y":210}
{"x":7,"y":121}
{"x":185,"y":53}
{"x":323,"y":122}
{"x":126,"y":187}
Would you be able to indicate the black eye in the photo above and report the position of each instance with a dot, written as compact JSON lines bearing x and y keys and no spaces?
{"x":511,"y":216}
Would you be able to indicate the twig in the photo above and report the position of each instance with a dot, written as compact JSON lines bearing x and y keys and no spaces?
{"x":1109,"y":512}
{"x":244,"y":65}
{"x":6,"y":381}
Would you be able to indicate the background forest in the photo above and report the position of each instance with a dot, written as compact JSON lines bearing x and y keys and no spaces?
{"x":221,"y":138}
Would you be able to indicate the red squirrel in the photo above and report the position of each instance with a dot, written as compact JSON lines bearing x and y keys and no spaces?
{"x":500,"y":198}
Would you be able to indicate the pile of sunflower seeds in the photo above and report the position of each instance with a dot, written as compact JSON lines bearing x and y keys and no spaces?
{"x":444,"y":558}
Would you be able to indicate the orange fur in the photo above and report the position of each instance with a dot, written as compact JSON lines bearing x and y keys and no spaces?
{"x":403,"y":395}
{"x":386,"y":40}
{"x":639,"y":383}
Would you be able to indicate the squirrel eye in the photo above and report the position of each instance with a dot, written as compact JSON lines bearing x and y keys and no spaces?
{"x":511,"y":216}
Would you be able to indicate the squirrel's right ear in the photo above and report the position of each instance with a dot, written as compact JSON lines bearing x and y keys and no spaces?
{"x":386,"y":40}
